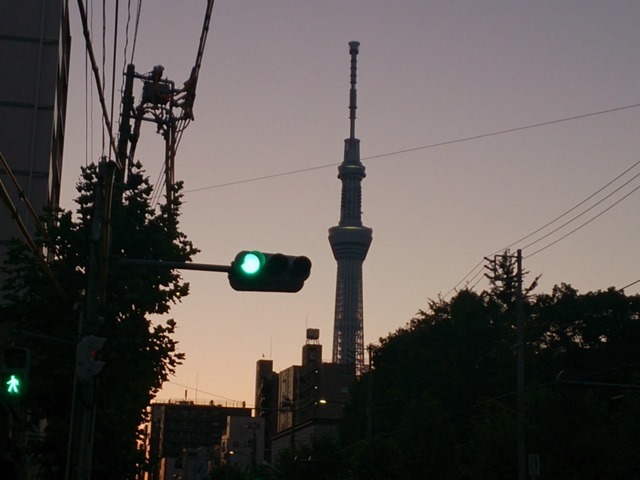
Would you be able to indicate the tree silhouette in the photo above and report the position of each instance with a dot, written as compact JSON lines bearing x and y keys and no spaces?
{"x":140,"y":353}
{"x":442,"y":396}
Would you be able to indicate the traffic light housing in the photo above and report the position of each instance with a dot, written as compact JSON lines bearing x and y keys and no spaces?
{"x":16,"y":362}
{"x":87,"y":363}
{"x":256,"y":271}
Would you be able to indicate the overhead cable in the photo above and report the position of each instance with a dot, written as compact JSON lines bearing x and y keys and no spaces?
{"x":96,"y":74}
{"x":582,"y":225}
{"x":585,"y":223}
{"x":135,"y":30}
{"x":204,"y":392}
{"x":28,"y":239}
{"x":423,"y":147}
{"x":113,"y":66}
{"x":576,"y":206}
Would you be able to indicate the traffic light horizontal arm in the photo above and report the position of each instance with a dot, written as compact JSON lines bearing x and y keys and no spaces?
{"x":137,"y":262}
{"x":599,"y":384}
{"x":250,"y":270}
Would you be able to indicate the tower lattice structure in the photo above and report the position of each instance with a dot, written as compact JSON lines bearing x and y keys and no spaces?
{"x":350,"y":241}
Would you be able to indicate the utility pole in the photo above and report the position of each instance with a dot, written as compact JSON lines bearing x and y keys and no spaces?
{"x":520,"y":369}
{"x":370,"y":395}
{"x":495,"y":276}
{"x":124,"y":133}
{"x":83,"y":404}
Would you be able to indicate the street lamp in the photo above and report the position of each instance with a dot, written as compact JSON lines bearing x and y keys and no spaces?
{"x":324,"y":401}
{"x":234,"y":452}
{"x":238,"y":462}
{"x":332,"y":410}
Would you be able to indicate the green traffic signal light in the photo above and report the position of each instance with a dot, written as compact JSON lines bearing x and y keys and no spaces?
{"x":256,"y":271}
{"x":251,"y":262}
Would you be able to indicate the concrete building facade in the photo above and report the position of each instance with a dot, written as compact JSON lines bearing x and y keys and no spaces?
{"x":184,"y":430}
{"x":35,"y":47}
{"x":310,"y":399}
{"x":243,"y":443}
{"x":34,"y":53}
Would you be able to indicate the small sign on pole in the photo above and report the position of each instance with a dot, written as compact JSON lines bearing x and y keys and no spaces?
{"x":534,"y":465}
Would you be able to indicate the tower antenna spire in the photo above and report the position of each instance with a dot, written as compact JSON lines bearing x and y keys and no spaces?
{"x":353,"y":93}
{"x":350,"y":241}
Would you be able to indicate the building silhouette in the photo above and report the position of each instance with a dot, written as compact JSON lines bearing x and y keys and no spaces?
{"x":34,"y":53}
{"x":350,"y":242}
{"x":243,"y":443}
{"x":34,"y":59}
{"x":184,"y":435}
{"x":266,"y":401}
{"x":305,"y":402}
{"x":310,"y":398}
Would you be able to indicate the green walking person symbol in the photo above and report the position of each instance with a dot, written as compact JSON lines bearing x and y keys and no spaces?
{"x":13,"y":385}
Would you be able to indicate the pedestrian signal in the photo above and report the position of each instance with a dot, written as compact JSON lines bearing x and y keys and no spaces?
{"x":15,"y":371}
{"x":87,"y":363}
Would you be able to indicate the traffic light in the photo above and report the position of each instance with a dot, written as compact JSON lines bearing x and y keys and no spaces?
{"x":15,"y":371}
{"x":87,"y":363}
{"x":268,"y":272}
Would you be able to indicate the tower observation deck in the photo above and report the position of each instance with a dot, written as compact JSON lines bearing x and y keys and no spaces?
{"x":350,"y":242}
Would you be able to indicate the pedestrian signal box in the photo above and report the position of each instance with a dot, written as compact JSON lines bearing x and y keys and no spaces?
{"x":15,"y":371}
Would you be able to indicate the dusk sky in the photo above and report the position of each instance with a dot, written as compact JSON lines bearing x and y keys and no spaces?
{"x":436,"y":81}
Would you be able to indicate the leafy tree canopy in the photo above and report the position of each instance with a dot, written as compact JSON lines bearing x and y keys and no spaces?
{"x":140,"y":353}
{"x":440,"y":402}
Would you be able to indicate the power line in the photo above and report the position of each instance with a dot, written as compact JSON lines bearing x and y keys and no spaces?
{"x":204,"y":392}
{"x":588,"y":210}
{"x":423,"y":147}
{"x":135,"y":30}
{"x":126,"y":39}
{"x":476,"y":137}
{"x":629,"y":285}
{"x":577,"y":205}
{"x":96,"y":71}
{"x":585,"y":223}
{"x":579,"y":227}
{"x":465,"y":278}
{"x":255,"y":179}
{"x":474,"y":275}
{"x":115,"y":47}
{"x":104,"y":58}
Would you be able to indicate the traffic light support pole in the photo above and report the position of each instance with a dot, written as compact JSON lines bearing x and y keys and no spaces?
{"x":285,"y":274}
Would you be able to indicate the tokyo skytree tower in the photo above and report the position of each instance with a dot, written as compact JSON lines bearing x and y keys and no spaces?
{"x":350,"y":242}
